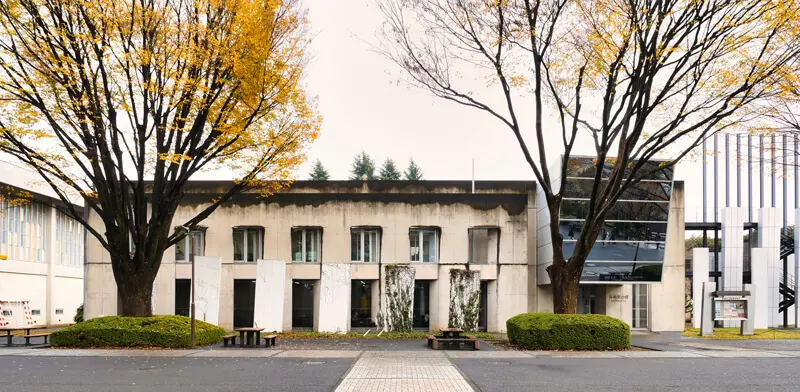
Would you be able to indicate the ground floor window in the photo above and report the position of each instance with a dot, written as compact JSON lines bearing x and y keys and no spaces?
{"x":422,"y":304}
{"x":640,"y":319}
{"x":587,"y":299}
{"x":303,"y":304}
{"x":244,"y":301}
{"x":361,"y":304}
{"x":183,"y":293}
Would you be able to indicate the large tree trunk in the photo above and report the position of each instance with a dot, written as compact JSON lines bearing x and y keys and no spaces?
{"x":135,"y":295}
{"x":565,"y":280}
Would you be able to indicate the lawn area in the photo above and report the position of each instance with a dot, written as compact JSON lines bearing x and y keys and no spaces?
{"x":734,"y":334}
{"x":373,"y":335}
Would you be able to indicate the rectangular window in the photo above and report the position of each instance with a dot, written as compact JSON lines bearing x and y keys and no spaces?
{"x":483,"y":245}
{"x":248,"y":244}
{"x":36,"y":312}
{"x":424,"y":245}
{"x":307,"y":245}
{"x":59,"y":311}
{"x":194,"y":241}
{"x":8,"y":313}
{"x":365,"y":245}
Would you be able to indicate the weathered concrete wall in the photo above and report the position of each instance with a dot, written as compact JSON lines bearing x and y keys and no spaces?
{"x":667,"y":300}
{"x":618,"y":301}
{"x":270,"y":288}
{"x":512,"y":293}
{"x":334,"y":298}
{"x":699,"y":276}
{"x":465,"y":290}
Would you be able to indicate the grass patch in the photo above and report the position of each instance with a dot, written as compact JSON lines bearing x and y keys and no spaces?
{"x":734,"y":334}
{"x":373,"y":335}
{"x":119,"y":331}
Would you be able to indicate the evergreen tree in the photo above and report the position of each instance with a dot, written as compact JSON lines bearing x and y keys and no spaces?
{"x":389,"y":171}
{"x":363,"y":166}
{"x":319,"y":172}
{"x":413,"y":172}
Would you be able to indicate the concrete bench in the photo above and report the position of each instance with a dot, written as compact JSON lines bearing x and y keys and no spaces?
{"x":269,"y":340}
{"x":229,"y":339}
{"x":35,"y":335}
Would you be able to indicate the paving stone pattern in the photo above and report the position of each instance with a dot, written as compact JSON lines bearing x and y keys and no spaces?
{"x":389,"y":372}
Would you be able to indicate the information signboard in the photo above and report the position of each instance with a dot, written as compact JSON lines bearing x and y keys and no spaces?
{"x":730,"y":309}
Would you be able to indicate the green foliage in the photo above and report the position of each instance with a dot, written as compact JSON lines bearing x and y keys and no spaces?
{"x":548,"y":331}
{"x":363,"y":167}
{"x":413,"y":172}
{"x":464,"y":299}
{"x":319,"y":172}
{"x":78,"y":314}
{"x":389,"y":171}
{"x":398,"y":300}
{"x":120,"y":331}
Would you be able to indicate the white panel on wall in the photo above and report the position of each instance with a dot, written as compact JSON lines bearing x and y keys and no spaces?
{"x":758,"y":275}
{"x":270,"y":289}
{"x":769,"y":227}
{"x":208,"y":272}
{"x":699,"y":275}
{"x":334,"y":297}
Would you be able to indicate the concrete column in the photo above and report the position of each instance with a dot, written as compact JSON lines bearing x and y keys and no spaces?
{"x":491,"y":307}
{"x":796,"y":268}
{"x":208,"y":275}
{"x":732,"y":249}
{"x":52,"y":260}
{"x":666,"y":300}
{"x":270,"y":289}
{"x":334,"y":305}
{"x":769,"y":226}
{"x":699,"y":276}
{"x":619,"y":302}
{"x":758,"y":275}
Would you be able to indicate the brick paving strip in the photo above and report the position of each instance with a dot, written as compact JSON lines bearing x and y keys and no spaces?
{"x":371,"y":358}
{"x":413,"y":371}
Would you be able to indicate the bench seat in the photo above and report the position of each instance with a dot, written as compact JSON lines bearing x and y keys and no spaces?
{"x":229,"y":339}
{"x":269,"y":340}
{"x":35,"y":335}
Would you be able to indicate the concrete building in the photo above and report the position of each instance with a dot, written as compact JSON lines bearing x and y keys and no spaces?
{"x":317,"y":256}
{"x":41,"y":254}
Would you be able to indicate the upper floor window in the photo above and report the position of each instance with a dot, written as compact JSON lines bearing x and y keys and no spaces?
{"x":191,"y":245}
{"x":484,"y":245}
{"x":307,"y":244}
{"x":248,"y":244}
{"x":365,"y":245}
{"x":424,"y":244}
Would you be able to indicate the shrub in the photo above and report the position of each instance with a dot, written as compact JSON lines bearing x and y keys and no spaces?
{"x":78,"y":314}
{"x":548,"y":331}
{"x":119,"y":331}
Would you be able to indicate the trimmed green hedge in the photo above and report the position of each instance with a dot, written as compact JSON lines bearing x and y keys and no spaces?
{"x":548,"y":331}
{"x":119,"y":331}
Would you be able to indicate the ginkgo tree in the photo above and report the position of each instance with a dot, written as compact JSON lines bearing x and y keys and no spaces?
{"x":632,"y":80}
{"x":123,"y":101}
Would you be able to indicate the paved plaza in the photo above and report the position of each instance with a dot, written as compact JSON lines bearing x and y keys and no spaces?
{"x":690,"y":365}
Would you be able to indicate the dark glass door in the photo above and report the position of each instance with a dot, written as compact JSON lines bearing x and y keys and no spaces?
{"x":483,"y":314}
{"x":361,"y":304}
{"x":303,"y":304}
{"x":244,"y":301}
{"x":422,"y":304}
{"x":183,"y":292}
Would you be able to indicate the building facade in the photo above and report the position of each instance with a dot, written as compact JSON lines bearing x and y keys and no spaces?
{"x":316,"y":256}
{"x":41,"y":254}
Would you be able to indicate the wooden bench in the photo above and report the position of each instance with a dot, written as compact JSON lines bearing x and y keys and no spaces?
{"x":431,"y":338}
{"x":35,"y":335}
{"x":455,"y":343}
{"x":269,"y":340}
{"x":230,"y":339}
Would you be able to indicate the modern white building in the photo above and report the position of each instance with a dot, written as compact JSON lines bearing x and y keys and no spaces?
{"x":41,"y":254}
{"x":318,"y":255}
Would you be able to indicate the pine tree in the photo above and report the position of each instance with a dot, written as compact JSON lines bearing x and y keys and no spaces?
{"x":389,"y":171}
{"x":319,"y":172}
{"x":413,"y":172}
{"x":363,"y":166}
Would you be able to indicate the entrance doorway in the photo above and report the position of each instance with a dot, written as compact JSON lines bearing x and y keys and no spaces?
{"x":361,"y":304}
{"x":303,"y":304}
{"x":244,"y":302}
{"x":587,"y":299}
{"x":484,"y":303}
{"x":183,"y":292}
{"x":422,"y":304}
{"x":640,"y":313}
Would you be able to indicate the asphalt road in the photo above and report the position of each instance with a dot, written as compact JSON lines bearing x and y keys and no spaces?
{"x":123,"y":374}
{"x":652,"y":375}
{"x":113,"y":374}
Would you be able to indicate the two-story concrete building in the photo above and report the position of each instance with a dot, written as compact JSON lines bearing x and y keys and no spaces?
{"x":329,"y":244}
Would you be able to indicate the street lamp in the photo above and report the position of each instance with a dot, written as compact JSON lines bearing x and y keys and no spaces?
{"x":191,"y":260}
